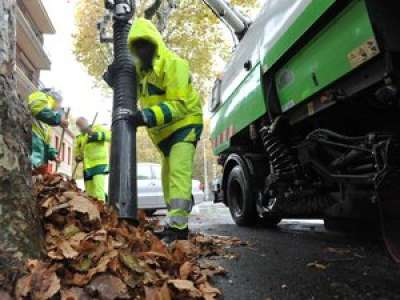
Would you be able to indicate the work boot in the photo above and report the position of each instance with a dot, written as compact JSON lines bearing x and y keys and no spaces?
{"x":170,"y":234}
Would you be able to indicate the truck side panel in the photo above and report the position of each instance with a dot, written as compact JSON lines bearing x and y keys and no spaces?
{"x":244,"y":106}
{"x":242,"y":96}
{"x":343,"y":45}
{"x":286,"y":22}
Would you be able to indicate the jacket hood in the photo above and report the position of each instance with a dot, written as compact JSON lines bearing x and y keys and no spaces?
{"x":145,"y":29}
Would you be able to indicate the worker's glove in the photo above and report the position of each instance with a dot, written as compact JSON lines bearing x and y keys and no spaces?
{"x":138,"y":119}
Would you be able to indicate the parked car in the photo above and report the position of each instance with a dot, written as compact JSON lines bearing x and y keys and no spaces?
{"x":216,"y":189}
{"x":150,"y":192}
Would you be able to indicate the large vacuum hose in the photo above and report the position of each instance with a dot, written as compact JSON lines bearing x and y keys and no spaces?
{"x":123,"y":184}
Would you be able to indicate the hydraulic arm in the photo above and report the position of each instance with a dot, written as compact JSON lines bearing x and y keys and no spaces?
{"x":229,"y":16}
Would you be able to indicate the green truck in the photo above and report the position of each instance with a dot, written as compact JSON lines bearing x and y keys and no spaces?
{"x":305,"y":118}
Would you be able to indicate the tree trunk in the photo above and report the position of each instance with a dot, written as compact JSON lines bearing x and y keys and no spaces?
{"x":20,"y":230}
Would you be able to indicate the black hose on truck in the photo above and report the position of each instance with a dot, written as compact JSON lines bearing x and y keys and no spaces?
{"x":122,"y":182}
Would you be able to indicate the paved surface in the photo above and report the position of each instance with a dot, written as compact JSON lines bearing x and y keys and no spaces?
{"x":300,"y":260}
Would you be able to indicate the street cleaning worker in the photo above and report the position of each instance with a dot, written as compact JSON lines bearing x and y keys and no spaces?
{"x":45,"y":107}
{"x":172,"y":111}
{"x":92,"y":147}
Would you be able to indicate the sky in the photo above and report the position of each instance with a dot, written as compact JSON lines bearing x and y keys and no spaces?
{"x":68,"y":75}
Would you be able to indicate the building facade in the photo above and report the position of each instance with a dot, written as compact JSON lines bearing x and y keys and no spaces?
{"x":33,"y":23}
{"x":65,"y":151}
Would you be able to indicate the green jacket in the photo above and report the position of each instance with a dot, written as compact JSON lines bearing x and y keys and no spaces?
{"x":93,"y":150}
{"x":42,"y":108}
{"x":169,"y":101}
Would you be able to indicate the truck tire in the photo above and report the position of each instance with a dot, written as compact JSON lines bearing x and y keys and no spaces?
{"x":241,"y":197}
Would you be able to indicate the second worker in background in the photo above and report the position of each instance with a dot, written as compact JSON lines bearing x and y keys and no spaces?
{"x":92,"y":148}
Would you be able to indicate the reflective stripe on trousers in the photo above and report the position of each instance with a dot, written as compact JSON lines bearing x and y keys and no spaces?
{"x":177,"y":170}
{"x":179,"y":212}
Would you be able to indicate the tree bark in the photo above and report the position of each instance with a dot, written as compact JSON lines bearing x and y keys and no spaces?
{"x":20,"y":229}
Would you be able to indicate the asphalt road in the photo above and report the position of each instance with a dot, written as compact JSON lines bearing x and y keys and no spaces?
{"x":300,"y":260}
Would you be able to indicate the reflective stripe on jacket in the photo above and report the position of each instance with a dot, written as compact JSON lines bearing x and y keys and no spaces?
{"x":166,"y":94}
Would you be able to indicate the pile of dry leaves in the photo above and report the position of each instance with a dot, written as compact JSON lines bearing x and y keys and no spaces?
{"x":94,"y":255}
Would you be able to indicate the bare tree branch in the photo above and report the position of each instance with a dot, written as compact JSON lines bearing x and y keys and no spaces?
{"x":151,"y":11}
{"x":164,"y":13}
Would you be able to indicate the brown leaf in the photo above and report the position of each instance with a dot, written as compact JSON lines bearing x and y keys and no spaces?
{"x":45,"y":283}
{"x":66,"y":250}
{"x":209,"y":292}
{"x":23,"y":287}
{"x":185,"y":270}
{"x":70,"y":195}
{"x":338,"y":251}
{"x":85,"y":206}
{"x":56,"y":208}
{"x":184,"y":250}
{"x":74,"y":293}
{"x":317,"y":265}
{"x":101,"y":267}
{"x":71,"y":230}
{"x":132,"y":262}
{"x":4,"y":295}
{"x":48,"y":202}
{"x":185,"y":286}
{"x":108,"y":287}
{"x":156,"y":293}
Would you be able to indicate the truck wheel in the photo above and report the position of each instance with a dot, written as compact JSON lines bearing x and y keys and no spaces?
{"x":241,"y":198}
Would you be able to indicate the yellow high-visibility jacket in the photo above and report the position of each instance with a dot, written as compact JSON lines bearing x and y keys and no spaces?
{"x":93,"y":150}
{"x":169,"y":101}
{"x":42,"y":108}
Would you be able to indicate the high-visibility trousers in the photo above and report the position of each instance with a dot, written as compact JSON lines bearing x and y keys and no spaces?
{"x":177,"y":171}
{"x":95,"y":187}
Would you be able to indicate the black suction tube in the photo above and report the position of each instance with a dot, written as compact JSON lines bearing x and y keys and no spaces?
{"x":122,"y":182}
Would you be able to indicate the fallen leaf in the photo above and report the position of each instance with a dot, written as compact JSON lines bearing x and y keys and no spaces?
{"x":108,"y":287}
{"x":4,"y":295}
{"x":338,"y":251}
{"x":66,"y":250}
{"x":23,"y":287}
{"x":209,"y":292}
{"x":74,"y":293}
{"x":84,"y":205}
{"x":44,"y":283}
{"x":156,"y":293}
{"x":70,"y":195}
{"x":56,"y":208}
{"x":185,"y":270}
{"x":185,"y":286}
{"x":70,"y":230}
{"x":317,"y":265}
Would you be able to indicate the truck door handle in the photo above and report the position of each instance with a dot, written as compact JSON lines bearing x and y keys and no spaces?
{"x":248,"y":65}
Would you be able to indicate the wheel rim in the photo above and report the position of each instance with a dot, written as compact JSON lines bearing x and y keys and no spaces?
{"x":236,"y":197}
